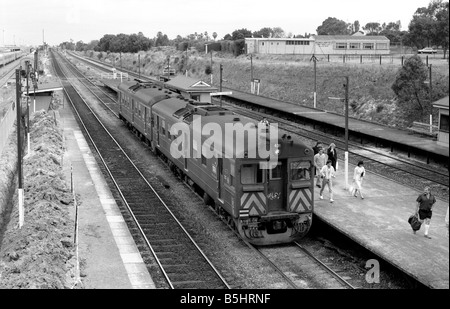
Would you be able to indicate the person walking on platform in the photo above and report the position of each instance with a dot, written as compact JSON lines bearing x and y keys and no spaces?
{"x":327,"y":173}
{"x":332,"y":155}
{"x":320,"y":160}
{"x":358,"y":176}
{"x":317,"y":147}
{"x":425,"y":203}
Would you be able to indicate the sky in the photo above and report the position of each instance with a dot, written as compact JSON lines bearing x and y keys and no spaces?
{"x":28,"y":22}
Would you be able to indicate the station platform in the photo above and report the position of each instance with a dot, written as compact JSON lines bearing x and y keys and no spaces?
{"x":393,"y":135}
{"x":108,"y":253}
{"x":112,"y":84}
{"x":379,"y":223}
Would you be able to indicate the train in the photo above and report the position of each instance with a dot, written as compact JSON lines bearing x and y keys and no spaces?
{"x":258,"y":179}
{"x":8,"y":57}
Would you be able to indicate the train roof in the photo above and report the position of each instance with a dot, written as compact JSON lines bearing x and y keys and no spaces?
{"x":213,"y":117}
{"x":147,"y":93}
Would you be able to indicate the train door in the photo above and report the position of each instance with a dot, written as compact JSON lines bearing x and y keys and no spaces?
{"x":132,"y":111}
{"x":145,"y":120}
{"x":276,"y":187}
{"x":157,"y":130}
{"x":186,"y":152}
{"x":220,"y":188}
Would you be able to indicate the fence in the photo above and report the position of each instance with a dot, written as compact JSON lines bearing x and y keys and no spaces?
{"x":378,"y":59}
{"x":6,"y":124}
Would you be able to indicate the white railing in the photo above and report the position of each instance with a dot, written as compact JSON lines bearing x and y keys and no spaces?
{"x":6,"y":124}
{"x":116,"y":76}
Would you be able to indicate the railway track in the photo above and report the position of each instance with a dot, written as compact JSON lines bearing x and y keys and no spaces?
{"x":406,"y":171}
{"x":412,"y":173}
{"x":180,"y":259}
{"x":320,"y":270}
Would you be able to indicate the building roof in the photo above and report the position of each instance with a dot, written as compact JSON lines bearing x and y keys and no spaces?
{"x":189,"y":84}
{"x":281,"y":39}
{"x":45,"y":87}
{"x":350,"y":37}
{"x":442,"y":103}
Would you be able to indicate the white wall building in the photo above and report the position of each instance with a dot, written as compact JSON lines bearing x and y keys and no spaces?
{"x":320,"y":45}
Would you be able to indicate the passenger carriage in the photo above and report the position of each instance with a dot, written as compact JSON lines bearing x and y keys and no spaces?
{"x":267,"y":201}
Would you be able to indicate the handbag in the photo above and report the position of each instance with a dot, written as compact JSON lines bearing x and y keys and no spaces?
{"x":415,"y":223}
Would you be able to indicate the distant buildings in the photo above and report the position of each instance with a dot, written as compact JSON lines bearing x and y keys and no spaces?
{"x":356,"y":44}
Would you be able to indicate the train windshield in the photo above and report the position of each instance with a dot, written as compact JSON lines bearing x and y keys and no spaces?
{"x":251,"y":174}
{"x":301,"y":170}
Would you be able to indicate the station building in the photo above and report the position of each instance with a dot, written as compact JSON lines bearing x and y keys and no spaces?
{"x":356,"y":44}
{"x":443,"y":135}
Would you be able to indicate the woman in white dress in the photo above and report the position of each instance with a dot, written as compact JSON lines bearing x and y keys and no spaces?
{"x":358,"y":176}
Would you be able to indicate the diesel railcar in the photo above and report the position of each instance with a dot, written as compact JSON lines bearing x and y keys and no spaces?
{"x":267,"y":198}
{"x":8,"y":57}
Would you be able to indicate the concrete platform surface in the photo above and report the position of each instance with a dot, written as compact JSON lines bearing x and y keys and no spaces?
{"x":379,"y":223}
{"x":107,"y":250}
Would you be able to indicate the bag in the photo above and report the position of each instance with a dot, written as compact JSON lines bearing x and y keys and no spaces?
{"x":337,"y":165}
{"x":414,"y":222}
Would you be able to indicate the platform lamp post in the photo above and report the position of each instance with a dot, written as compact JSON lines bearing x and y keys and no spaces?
{"x":19,"y":146}
{"x":346,"y":85}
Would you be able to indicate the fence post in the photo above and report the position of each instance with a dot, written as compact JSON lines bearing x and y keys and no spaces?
{"x":360,"y":58}
{"x":380,"y":58}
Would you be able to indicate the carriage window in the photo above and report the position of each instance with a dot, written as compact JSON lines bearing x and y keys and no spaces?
{"x":251,"y":174}
{"x":275,"y":173}
{"x":301,"y":170}
{"x":163,"y":127}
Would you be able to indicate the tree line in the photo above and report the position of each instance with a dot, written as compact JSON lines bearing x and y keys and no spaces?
{"x":429,"y":26}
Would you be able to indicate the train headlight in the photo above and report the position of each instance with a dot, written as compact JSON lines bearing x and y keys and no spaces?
{"x":277,"y":149}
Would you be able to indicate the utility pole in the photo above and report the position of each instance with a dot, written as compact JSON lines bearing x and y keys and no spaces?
{"x":27,"y":63}
{"x":431,"y":99}
{"x":252,"y":85}
{"x":211,"y":69}
{"x":187,"y":47}
{"x":19,"y":146}
{"x":346,"y":85}
{"x":314,"y":58}
{"x":139,"y":65}
{"x":168,"y":67}
{"x":221,"y":69}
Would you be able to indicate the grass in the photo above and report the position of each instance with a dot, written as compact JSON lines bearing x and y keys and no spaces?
{"x":291,"y":78}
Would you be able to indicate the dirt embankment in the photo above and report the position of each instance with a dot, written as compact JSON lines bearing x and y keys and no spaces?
{"x":40,"y":254}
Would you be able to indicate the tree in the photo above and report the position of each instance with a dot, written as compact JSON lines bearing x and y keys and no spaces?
{"x":265,"y":32}
{"x":430,"y":25}
{"x":356,"y":26}
{"x":278,"y":32}
{"x":372,"y":28}
{"x":241,"y":34}
{"x":410,"y":88}
{"x":333,"y":26}
{"x":161,"y":39}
